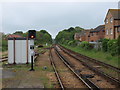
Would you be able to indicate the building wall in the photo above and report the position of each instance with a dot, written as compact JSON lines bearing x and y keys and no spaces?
{"x":95,"y":36}
{"x":86,"y":37}
{"x":76,"y":36}
{"x":101,"y":34}
{"x":108,"y":26}
{"x":82,"y":38}
{"x":117,"y":32}
{"x":20,"y":51}
{"x":117,"y":29}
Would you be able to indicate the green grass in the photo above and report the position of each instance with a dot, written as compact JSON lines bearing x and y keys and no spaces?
{"x":99,"y":55}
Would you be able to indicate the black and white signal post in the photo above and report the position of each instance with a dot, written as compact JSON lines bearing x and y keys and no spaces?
{"x":32,"y":36}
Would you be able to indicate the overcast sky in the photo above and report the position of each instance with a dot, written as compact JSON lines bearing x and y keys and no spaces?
{"x":52,"y":16}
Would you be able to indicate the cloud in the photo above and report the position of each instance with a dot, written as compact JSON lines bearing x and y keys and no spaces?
{"x":53,"y":16}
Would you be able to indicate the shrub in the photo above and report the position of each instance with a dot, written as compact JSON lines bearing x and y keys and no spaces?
{"x":72,"y":43}
{"x":104,"y":45}
{"x":4,"y":45}
{"x":118,"y":45}
{"x":112,"y":47}
{"x":86,"y":45}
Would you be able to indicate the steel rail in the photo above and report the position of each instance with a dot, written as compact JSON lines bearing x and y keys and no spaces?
{"x":93,"y":60}
{"x":55,"y":70}
{"x":86,"y":81}
{"x":3,"y":59}
{"x":112,"y":79}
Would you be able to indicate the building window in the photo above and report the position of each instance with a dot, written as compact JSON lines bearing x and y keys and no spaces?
{"x":106,"y":32}
{"x":97,"y":33}
{"x":111,"y":19}
{"x":92,"y":34}
{"x":103,"y":30}
{"x":106,"y":20}
{"x":118,"y":29}
{"x":111,"y":31}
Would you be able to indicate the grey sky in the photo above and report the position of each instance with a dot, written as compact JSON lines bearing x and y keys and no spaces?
{"x":52,"y":16}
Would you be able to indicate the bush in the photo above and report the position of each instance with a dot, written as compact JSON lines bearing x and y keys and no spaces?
{"x":112,"y":47}
{"x":104,"y":45}
{"x":4,"y":45}
{"x":72,"y":43}
{"x":118,"y":45}
{"x":86,"y":45}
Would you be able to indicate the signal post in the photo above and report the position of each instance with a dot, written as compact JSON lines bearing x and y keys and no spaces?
{"x":32,"y":36}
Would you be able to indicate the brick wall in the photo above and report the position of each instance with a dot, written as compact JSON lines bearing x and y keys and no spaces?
{"x":108,"y":26}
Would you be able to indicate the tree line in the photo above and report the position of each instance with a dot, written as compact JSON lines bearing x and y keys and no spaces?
{"x":42,"y":37}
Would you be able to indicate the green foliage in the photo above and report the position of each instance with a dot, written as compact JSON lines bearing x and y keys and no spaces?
{"x":18,"y":33}
{"x":86,"y":45}
{"x":43,"y":37}
{"x":4,"y":45}
{"x":99,"y":55}
{"x":72,"y":43}
{"x":104,"y":45}
{"x":118,"y":45}
{"x":67,"y":35}
{"x":112,"y":47}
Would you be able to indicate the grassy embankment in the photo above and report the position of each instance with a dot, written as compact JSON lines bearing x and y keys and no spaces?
{"x":99,"y":55}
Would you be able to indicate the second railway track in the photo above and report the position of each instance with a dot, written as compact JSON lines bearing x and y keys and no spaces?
{"x":102,"y":68}
{"x":67,"y":77}
{"x":103,"y":81}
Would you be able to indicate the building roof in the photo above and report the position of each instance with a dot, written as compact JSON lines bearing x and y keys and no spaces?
{"x":99,"y":28}
{"x":115,"y":13}
{"x":18,"y":38}
{"x":13,"y":35}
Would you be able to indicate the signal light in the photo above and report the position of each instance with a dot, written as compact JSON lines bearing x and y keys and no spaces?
{"x":32,"y":34}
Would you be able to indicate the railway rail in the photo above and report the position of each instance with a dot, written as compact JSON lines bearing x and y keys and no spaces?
{"x":3,"y":59}
{"x":77,"y":56}
{"x":93,"y":60}
{"x":86,"y":81}
{"x":55,"y":70}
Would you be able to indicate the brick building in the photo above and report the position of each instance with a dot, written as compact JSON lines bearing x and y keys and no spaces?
{"x":91,"y":35}
{"x":96,"y":34}
{"x":80,"y":36}
{"x":112,"y":24}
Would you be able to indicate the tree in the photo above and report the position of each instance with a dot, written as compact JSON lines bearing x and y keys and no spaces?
{"x":118,"y":43}
{"x":105,"y":45}
{"x":18,"y":33}
{"x":67,"y":35}
{"x":43,"y":37}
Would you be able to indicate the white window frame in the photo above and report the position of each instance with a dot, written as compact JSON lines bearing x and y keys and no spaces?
{"x":111,"y":31}
{"x":107,"y":32}
{"x":106,"y":20}
{"x":111,"y":19}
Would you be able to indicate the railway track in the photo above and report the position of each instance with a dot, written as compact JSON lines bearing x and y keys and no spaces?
{"x":103,"y":66}
{"x":93,"y":60}
{"x":87,"y":83}
{"x":74,"y":55}
{"x":3,"y":59}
